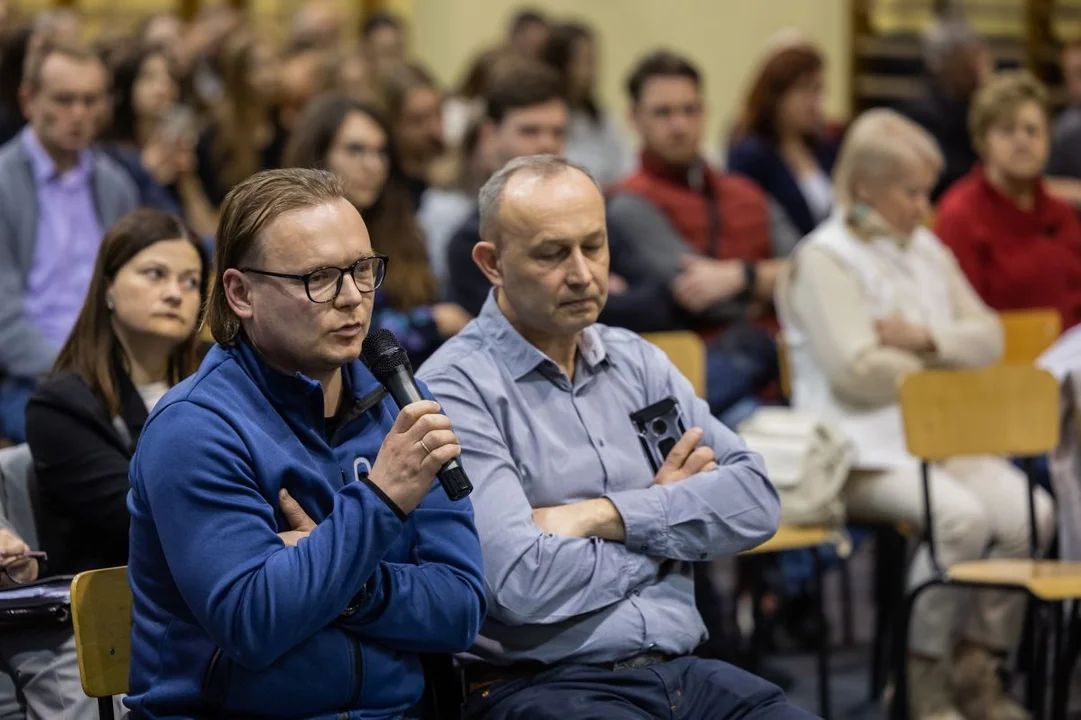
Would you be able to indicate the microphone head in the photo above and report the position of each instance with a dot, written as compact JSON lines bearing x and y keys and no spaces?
{"x":384,"y":355}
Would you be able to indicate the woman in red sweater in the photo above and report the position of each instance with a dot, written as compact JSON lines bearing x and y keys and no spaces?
{"x":1019,"y":247}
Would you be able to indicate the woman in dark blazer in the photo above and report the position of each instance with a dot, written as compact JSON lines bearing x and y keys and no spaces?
{"x":781,"y":141}
{"x":135,"y":337}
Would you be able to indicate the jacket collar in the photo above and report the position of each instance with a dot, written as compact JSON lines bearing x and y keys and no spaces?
{"x":520,"y":356}
{"x":298,"y":393}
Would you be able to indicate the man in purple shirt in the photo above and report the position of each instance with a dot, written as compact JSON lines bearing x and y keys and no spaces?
{"x":57,"y":197}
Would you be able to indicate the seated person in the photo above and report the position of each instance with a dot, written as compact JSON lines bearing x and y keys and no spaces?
{"x":714,"y":239}
{"x":290,"y":553}
{"x":873,"y":296}
{"x":39,"y":670}
{"x":135,"y":338}
{"x":528,"y":115}
{"x":587,"y":549}
{"x":57,"y":197}
{"x":781,"y":142}
{"x":351,"y":140}
{"x":957,"y":63}
{"x":1019,"y":246}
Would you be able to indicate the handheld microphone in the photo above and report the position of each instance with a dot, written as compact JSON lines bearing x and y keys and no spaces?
{"x":389,"y":363}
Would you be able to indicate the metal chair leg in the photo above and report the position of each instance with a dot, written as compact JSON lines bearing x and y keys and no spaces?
{"x":1037,"y":677}
{"x":823,"y":639}
{"x":848,"y":630}
{"x":899,"y":706}
{"x":105,"y":708}
{"x":1060,"y":671}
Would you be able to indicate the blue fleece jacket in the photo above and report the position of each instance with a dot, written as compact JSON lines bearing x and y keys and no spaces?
{"x":230,"y":622}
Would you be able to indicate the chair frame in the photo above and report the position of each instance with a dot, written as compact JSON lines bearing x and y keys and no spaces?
{"x":1038,"y":614}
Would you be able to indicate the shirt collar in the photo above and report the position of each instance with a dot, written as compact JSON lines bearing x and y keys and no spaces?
{"x":522,"y":357}
{"x":43,"y":166}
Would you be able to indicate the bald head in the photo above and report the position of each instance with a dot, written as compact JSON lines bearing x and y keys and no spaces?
{"x":544,"y":245}
{"x":520,"y":178}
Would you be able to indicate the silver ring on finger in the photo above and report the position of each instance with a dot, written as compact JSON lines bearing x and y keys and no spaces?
{"x":426,"y":450}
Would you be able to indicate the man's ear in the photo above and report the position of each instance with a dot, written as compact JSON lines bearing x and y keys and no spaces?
{"x":238,"y":293}
{"x":486,"y":256}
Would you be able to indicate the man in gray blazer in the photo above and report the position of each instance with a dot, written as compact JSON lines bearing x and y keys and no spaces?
{"x":57,"y":198}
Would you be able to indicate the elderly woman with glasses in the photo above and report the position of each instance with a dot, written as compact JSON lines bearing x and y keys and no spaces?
{"x":1019,"y":246}
{"x":872,"y":296}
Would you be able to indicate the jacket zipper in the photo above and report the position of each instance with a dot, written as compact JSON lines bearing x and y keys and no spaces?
{"x":358,"y":670}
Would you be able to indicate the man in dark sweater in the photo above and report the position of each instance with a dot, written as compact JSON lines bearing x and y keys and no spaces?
{"x":957,"y":61}
{"x":527,"y":115}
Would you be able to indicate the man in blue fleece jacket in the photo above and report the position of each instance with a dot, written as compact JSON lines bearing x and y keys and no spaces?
{"x":290,"y":552}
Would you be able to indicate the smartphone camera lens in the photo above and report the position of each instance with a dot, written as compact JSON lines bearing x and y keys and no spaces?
{"x":660,"y":427}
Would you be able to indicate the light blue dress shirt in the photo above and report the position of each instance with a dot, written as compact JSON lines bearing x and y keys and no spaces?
{"x":532,"y":438}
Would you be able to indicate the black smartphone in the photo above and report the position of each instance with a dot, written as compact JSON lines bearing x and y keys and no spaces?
{"x":659,"y":428}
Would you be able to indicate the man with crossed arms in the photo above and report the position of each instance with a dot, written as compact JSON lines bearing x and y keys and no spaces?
{"x":592,"y":609}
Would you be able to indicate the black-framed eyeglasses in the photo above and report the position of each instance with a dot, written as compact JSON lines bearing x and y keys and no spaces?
{"x":324,"y":284}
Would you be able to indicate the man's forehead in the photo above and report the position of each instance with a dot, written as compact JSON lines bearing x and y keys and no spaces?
{"x":321,"y":234}
{"x":532,"y":202}
{"x":59,"y":68}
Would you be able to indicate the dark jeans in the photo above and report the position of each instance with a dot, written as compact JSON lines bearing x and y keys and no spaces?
{"x":14,"y":394}
{"x":687,"y":688}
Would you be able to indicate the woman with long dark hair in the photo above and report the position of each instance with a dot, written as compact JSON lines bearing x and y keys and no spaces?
{"x":153,"y":137}
{"x":245,"y":136}
{"x":135,"y":338}
{"x":593,"y":141}
{"x":781,"y":140}
{"x":352,"y":140}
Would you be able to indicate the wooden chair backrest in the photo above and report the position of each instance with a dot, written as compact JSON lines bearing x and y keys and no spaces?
{"x":1007,"y":410}
{"x":1028,"y":333}
{"x":101,"y":615}
{"x":687,"y":352}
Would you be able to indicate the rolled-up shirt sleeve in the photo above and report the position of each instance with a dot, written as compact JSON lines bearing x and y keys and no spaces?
{"x":718,"y":512}
{"x":531,"y":577}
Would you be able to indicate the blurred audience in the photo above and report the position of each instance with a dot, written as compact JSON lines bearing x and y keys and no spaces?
{"x":527,"y":34}
{"x":351,"y":140}
{"x":445,"y":209}
{"x":957,"y":61}
{"x":153,"y":137}
{"x":593,"y":140}
{"x":527,"y":115}
{"x":383,"y":39}
{"x":245,"y":136}
{"x":303,"y":74}
{"x":414,"y":110}
{"x":780,"y":142}
{"x":316,"y":25}
{"x":56,"y":197}
{"x":354,"y":77}
{"x":713,"y":238}
{"x":135,"y":337}
{"x":465,"y":106}
{"x":872,"y":297}
{"x":1019,"y":246}
{"x":14,"y":44}
{"x":1064,"y":162}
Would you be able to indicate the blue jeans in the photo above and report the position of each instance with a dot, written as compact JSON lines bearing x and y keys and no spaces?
{"x":688,"y":688}
{"x":14,"y":394}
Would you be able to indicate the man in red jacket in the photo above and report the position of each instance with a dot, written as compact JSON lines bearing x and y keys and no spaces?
{"x":711,"y":237}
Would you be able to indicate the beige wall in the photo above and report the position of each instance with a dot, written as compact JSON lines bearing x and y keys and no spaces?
{"x":724,"y":37}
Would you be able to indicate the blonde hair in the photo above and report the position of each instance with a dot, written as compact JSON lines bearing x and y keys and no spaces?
{"x":879,"y":146}
{"x":998,"y":101}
